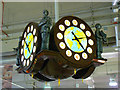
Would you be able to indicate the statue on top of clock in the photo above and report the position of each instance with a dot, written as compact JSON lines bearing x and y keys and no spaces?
{"x":101,"y":38}
{"x":45,"y":25}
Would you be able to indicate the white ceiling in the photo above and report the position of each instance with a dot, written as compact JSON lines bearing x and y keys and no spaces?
{"x":22,"y":12}
{"x":17,"y":15}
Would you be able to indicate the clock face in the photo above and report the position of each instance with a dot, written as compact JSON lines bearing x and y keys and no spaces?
{"x":75,"y":40}
{"x":29,"y":45}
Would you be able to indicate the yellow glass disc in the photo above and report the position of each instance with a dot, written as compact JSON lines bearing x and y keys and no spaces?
{"x":89,"y":50}
{"x":61,"y":27}
{"x":84,"y":55}
{"x":88,"y":33}
{"x":67,"y":22}
{"x":62,"y":45}
{"x":75,"y":22}
{"x":77,"y":57}
{"x":90,"y":41}
{"x":82,"y":26}
{"x":59,"y":36}
{"x":68,"y":53}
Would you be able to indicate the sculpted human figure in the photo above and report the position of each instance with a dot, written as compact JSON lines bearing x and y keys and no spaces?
{"x":100,"y":37}
{"x":45,"y":25}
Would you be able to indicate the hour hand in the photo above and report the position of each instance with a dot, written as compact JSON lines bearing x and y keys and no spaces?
{"x":30,"y":41}
{"x":78,"y":40}
{"x":75,"y":36}
{"x":27,"y":46}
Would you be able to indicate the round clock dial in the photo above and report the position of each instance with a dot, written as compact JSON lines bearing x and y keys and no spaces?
{"x":75,"y":40}
{"x":29,"y":45}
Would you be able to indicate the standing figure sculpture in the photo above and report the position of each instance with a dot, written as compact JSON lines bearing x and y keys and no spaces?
{"x":45,"y":25}
{"x":100,"y":37}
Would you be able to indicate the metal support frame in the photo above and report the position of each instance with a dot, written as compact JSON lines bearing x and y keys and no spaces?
{"x":119,"y":25}
{"x":116,"y":35}
{"x":56,"y":10}
{"x":116,"y":26}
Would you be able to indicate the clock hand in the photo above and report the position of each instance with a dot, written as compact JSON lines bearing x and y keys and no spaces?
{"x":30,"y":42}
{"x":75,"y":36}
{"x":78,"y":40}
{"x":27,"y":46}
{"x":81,"y":44}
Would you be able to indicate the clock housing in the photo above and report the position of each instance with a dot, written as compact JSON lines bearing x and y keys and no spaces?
{"x":75,"y":41}
{"x":29,"y":45}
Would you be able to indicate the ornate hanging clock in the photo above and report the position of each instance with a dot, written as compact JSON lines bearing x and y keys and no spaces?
{"x":72,"y":48}
{"x":29,"y":45}
{"x":75,"y":40}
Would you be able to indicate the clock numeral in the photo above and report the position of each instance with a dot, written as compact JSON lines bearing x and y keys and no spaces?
{"x":22,"y":58}
{"x":24,"y":62}
{"x":28,"y":62}
{"x":77,"y":57}
{"x":68,"y":53}
{"x":31,"y":58}
{"x":35,"y":39}
{"x":90,"y":41}
{"x":59,"y":36}
{"x":75,"y":22}
{"x":25,"y":35}
{"x":31,"y":28}
{"x":67,"y":22}
{"x":82,"y":26}
{"x":88,"y":33}
{"x":84,"y":55}
{"x":34,"y":49}
{"x":28,"y":29}
{"x":89,"y":50}
{"x":21,"y":51}
{"x":62,"y":45}
{"x":61,"y":27}
{"x":34,"y":32}
{"x":22,"y":42}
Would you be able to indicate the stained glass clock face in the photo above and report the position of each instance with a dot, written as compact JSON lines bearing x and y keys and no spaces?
{"x":75,"y":40}
{"x":28,"y":45}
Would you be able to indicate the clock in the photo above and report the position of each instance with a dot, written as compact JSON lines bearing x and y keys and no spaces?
{"x":29,"y":45}
{"x":75,"y":41}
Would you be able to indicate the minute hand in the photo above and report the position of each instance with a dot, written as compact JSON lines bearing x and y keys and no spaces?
{"x":78,"y":40}
{"x":27,"y":46}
